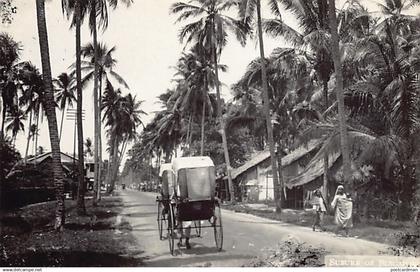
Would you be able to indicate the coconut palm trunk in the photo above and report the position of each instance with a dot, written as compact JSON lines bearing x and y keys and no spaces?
{"x":189,"y":140}
{"x":96,"y":186}
{"x":52,"y":120}
{"x":203,"y":119}
{"x":36,"y":131}
{"x":221,"y":120}
{"x":276,"y":185}
{"x":29,"y":136}
{"x":99,"y":128}
{"x":114,"y":165}
{"x":335,"y":48}
{"x":3,"y":120}
{"x":62,"y":120}
{"x":416,"y":208}
{"x":81,"y":209}
{"x":325,"y":176}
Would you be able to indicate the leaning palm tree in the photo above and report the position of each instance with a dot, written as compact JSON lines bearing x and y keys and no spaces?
{"x":64,"y":89}
{"x":50,"y":110}
{"x":210,"y":31}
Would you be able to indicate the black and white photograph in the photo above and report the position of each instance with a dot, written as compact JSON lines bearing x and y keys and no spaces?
{"x":210,"y":134}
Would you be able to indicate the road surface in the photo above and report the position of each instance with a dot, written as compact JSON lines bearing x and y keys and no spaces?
{"x":245,"y":236}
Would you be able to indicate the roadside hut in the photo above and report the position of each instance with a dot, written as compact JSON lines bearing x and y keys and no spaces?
{"x":255,"y":183}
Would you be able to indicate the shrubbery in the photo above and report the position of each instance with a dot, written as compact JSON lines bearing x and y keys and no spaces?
{"x":407,"y":243}
{"x":291,"y":254}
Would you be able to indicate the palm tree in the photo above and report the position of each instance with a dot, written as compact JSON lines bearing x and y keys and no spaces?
{"x":15,"y":124}
{"x":88,"y":147}
{"x":388,"y":44}
{"x":314,"y":41}
{"x":194,"y":78}
{"x":32,"y":90}
{"x":106,"y":64}
{"x":50,"y":110}
{"x":33,"y":130}
{"x":164,"y":132}
{"x":102,"y":66}
{"x":98,"y":9}
{"x":122,"y":116}
{"x":9,"y":57}
{"x":101,"y":6}
{"x":246,"y":12}
{"x":64,"y":89}
{"x":78,"y":8}
{"x":210,"y":32}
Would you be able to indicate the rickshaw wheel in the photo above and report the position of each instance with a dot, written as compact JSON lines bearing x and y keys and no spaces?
{"x":171,"y":228}
{"x":218,"y":228}
{"x":197,"y":225}
{"x":160,"y":219}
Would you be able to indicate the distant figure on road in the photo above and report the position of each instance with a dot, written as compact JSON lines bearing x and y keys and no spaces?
{"x":343,"y":206}
{"x":321,"y":210}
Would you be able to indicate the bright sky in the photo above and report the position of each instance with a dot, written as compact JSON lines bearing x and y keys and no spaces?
{"x":147,"y":45}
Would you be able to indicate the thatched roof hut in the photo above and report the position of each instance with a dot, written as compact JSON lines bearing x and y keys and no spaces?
{"x":292,"y":164}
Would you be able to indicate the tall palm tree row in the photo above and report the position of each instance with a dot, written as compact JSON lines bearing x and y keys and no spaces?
{"x":122,"y":116}
{"x":194,"y":78}
{"x":210,"y":31}
{"x":99,"y":68}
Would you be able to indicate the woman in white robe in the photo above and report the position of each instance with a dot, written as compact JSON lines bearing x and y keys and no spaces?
{"x":343,"y":206}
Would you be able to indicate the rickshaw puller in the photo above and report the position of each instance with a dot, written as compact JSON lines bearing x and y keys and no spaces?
{"x":187,"y":227}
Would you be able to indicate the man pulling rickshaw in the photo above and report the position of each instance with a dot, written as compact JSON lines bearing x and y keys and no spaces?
{"x":193,"y":200}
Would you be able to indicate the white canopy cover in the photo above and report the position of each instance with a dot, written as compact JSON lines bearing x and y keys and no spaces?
{"x":164,"y":167}
{"x":191,"y":162}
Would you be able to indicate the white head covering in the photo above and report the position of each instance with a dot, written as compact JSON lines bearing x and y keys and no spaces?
{"x":339,"y":187}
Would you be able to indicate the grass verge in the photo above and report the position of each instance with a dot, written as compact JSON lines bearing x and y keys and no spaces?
{"x":101,"y":238}
{"x":387,"y":232}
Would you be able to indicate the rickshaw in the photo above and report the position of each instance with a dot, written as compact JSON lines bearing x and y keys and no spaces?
{"x":194,"y":199}
{"x":166,"y":175}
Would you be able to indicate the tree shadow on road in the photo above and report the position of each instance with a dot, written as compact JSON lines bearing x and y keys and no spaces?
{"x":263,"y":222}
{"x":53,"y":258}
{"x":140,"y":214}
{"x":193,"y":258}
{"x":136,"y":204}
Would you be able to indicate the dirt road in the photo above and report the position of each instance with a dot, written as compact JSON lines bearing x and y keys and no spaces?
{"x":245,"y":236}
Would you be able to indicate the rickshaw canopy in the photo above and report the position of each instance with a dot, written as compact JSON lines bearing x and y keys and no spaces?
{"x":164,"y":167}
{"x":194,"y":177}
{"x":191,"y":162}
